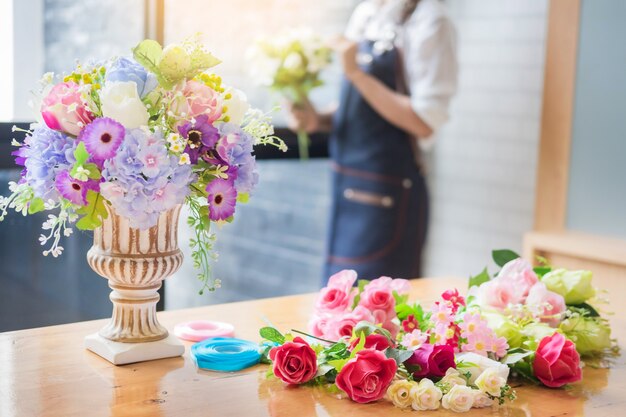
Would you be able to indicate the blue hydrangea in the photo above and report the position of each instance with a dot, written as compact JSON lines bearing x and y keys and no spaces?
{"x":235,"y":148}
{"x":124,"y":69}
{"x":44,"y":154}
{"x":143,"y":180}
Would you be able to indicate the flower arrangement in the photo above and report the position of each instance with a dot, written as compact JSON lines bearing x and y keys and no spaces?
{"x":140,"y":135}
{"x":371,"y":343}
{"x":290,"y":64}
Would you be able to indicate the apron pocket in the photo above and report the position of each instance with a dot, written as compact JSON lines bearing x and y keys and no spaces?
{"x":370,"y":218}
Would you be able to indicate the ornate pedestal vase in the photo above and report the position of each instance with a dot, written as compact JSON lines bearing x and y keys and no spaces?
{"x":135,"y":262}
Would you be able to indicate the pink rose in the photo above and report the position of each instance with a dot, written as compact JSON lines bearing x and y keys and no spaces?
{"x":366,"y":377}
{"x":379,"y":301}
{"x":498,"y":294}
{"x":556,"y":361}
{"x":374,"y":341}
{"x":341,"y":325}
{"x":432,"y":360}
{"x":339,"y":294}
{"x":401,"y":286}
{"x":318,"y":324}
{"x":63,"y":109}
{"x":520,"y":274}
{"x":294,"y":362}
{"x":550,"y":305}
{"x":198,"y":99}
{"x":343,"y":280}
{"x":382,"y":283}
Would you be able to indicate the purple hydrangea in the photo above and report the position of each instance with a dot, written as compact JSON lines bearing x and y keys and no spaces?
{"x":124,"y":69}
{"x":44,"y":154}
{"x":235,"y":149}
{"x":142,"y":180}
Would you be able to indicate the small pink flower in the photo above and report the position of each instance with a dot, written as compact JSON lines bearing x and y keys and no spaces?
{"x":454,"y":299}
{"x":442,"y":314}
{"x":499,"y":346}
{"x":414,"y":340}
{"x":548,"y":305}
{"x":410,"y":323}
{"x":472,"y":323}
{"x":64,"y":109}
{"x":476,"y":343}
{"x":198,"y":99}
{"x":519,"y":273}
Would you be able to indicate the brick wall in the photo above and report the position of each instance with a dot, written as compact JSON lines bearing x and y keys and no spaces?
{"x":482,"y":169}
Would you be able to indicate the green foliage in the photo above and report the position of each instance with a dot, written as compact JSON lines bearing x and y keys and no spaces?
{"x":36,"y":205}
{"x":542,"y":270}
{"x":202,"y":242}
{"x":515,"y":355}
{"x":398,"y":355}
{"x":93,"y":213}
{"x":479,"y":279}
{"x":271,"y":334}
{"x":502,"y":256}
{"x":585,"y":309}
{"x":360,"y":286}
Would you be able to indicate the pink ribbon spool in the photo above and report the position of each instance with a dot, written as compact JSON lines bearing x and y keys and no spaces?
{"x":199,"y":330}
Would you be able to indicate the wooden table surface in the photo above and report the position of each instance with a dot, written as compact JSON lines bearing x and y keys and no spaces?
{"x":46,"y":372}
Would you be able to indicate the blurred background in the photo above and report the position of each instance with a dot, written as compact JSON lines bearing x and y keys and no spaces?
{"x":522,"y":155}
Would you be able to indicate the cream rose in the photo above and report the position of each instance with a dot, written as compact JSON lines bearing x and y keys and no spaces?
{"x":399,"y":393}
{"x":481,"y":400}
{"x":490,"y":382}
{"x":481,"y":363}
{"x":236,"y":104}
{"x":425,"y":395}
{"x":120,"y":101}
{"x":453,"y":377}
{"x":460,"y":399}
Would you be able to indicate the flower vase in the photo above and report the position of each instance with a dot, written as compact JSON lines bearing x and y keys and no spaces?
{"x":135,"y":262}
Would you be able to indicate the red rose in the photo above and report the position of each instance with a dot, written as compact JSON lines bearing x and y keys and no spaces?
{"x":374,"y":341}
{"x":366,"y":377}
{"x":294,"y":362}
{"x":556,"y":361}
{"x":433,"y":360}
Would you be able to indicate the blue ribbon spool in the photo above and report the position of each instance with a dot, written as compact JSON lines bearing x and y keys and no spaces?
{"x":225,"y":354}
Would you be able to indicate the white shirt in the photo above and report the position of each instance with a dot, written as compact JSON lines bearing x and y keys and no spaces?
{"x":428,"y":43}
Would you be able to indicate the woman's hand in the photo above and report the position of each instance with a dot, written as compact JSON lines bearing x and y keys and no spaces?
{"x":302,"y":116}
{"x":346,"y":51}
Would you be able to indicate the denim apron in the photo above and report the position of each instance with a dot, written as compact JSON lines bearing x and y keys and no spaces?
{"x":380,"y":201}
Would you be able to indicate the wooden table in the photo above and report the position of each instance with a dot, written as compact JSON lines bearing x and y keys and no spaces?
{"x":46,"y":372}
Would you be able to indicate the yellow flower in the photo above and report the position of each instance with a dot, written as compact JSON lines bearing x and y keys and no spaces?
{"x":460,"y":399}
{"x":425,"y":395}
{"x":398,"y":393}
{"x":490,"y":382}
{"x":453,"y":377}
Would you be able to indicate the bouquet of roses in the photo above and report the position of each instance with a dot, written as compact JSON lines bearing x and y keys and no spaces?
{"x":291,"y":64}
{"x":139,"y":135}
{"x":408,"y":356}
{"x":372,"y":343}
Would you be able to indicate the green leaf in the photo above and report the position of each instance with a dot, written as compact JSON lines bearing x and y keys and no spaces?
{"x":93,"y":212}
{"x":479,"y":279}
{"x":502,"y":256}
{"x":359,"y":346}
{"x":94,"y":172}
{"x":81,"y":154}
{"x":243,"y":198}
{"x":398,"y":355}
{"x":400,"y":299}
{"x":518,"y":355}
{"x":542,"y":270}
{"x":338,"y":364}
{"x":148,"y":53}
{"x":271,"y":334}
{"x":360,"y":285}
{"x":36,"y":205}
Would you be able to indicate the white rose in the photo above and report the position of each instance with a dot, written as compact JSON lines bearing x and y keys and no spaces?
{"x":481,"y":400}
{"x":120,"y":101}
{"x":399,"y":393}
{"x":481,"y":363}
{"x":237,"y":105}
{"x":453,"y":377}
{"x":425,"y":395}
{"x":460,"y":399}
{"x":490,"y":382}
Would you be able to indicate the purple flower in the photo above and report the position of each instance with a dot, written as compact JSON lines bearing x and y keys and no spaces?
{"x":200,"y":137}
{"x":142,"y":180}
{"x":222,"y":199}
{"x":102,"y":138}
{"x":235,"y":149}
{"x":44,"y":154}
{"x":124,"y":69}
{"x":73,"y":189}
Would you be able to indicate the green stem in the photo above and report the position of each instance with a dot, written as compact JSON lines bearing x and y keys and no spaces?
{"x":311,"y":336}
{"x":303,"y":144}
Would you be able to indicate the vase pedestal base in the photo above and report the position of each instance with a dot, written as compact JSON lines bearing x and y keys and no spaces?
{"x":123,"y":353}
